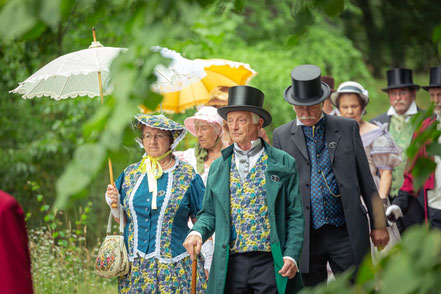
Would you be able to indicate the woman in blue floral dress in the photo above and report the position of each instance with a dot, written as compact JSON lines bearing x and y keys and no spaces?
{"x":158,"y":195}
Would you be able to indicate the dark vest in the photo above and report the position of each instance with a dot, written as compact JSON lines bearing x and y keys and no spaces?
{"x":326,"y":205}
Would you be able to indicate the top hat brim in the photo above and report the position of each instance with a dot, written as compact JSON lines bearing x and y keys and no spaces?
{"x":267,"y":119}
{"x":415,"y":86}
{"x":291,"y":99}
{"x":431,"y":86}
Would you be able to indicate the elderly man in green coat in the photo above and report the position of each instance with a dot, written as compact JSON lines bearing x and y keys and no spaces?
{"x":252,"y":202}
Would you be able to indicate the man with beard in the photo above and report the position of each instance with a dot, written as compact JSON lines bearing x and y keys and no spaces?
{"x":430,"y":196}
{"x":401,"y":91}
{"x":333,"y":174}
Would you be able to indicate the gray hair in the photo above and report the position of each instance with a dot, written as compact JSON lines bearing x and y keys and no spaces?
{"x":255,"y":118}
{"x":217,"y":127}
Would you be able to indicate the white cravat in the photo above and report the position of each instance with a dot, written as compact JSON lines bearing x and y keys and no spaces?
{"x":413,"y":109}
{"x":245,"y":160}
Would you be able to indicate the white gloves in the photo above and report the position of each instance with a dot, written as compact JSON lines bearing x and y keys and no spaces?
{"x":207,"y":250}
{"x":393,"y":212}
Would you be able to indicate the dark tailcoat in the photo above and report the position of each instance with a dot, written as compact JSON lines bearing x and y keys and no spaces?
{"x":353,"y":176}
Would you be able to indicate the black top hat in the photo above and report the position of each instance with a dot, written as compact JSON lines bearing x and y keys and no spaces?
{"x":307,"y":88}
{"x":246,"y":98}
{"x":435,"y":78}
{"x":400,"y":78}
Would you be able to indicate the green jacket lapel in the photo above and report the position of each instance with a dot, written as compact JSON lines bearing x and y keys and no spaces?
{"x":222,"y":184}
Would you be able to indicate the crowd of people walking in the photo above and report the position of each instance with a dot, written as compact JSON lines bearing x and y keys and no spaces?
{"x":274,"y":218}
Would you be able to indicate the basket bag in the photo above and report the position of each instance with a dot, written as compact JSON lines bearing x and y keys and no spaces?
{"x":112,"y":260}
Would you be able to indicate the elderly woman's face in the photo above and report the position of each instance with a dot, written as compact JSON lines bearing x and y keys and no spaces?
{"x":156,"y":142}
{"x":206,"y":133}
{"x":349,"y":106}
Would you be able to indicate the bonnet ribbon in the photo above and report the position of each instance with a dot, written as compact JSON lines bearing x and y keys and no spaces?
{"x":151,"y":165}
{"x":201,"y":155}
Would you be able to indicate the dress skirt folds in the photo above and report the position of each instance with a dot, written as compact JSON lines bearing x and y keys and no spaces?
{"x":152,"y":276}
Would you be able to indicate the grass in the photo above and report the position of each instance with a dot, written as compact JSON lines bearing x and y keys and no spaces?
{"x":59,"y":268}
{"x":62,"y":261}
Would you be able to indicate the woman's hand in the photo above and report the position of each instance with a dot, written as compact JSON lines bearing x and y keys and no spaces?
{"x":112,"y":193}
{"x":112,"y":197}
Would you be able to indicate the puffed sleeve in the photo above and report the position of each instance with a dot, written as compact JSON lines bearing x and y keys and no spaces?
{"x":186,"y":156}
{"x":195,"y":193}
{"x":385,"y":152}
{"x":118,"y":184}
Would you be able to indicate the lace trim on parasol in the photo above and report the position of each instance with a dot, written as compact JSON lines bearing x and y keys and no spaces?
{"x":56,"y":96}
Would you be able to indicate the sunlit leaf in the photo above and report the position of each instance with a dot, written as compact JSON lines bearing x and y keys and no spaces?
{"x":399,"y":276}
{"x":436,"y":34}
{"x":80,"y":172}
{"x":50,"y":12}
{"x":239,"y":4}
{"x":331,"y":7}
{"x":16,"y":18}
{"x":36,"y":31}
{"x":421,"y":171}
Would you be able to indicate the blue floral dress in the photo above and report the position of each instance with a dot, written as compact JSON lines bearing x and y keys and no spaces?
{"x":154,"y":237}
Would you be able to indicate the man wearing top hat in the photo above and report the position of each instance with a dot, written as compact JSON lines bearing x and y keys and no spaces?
{"x":429,"y":197}
{"x":252,"y":202}
{"x":401,"y":91}
{"x":334,"y":172}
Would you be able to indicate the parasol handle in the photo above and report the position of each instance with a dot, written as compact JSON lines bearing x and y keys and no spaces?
{"x":114,"y":204}
{"x":100,"y":83}
{"x":194,"y":273}
{"x":94,"y":34}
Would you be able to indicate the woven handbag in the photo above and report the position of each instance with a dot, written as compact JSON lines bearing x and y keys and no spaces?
{"x":112,"y":260}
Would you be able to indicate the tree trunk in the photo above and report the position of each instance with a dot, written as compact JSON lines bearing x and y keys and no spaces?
{"x":374,"y":38}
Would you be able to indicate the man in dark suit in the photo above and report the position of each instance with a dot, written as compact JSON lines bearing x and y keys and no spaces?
{"x":401,"y":91}
{"x":334,"y":172}
{"x":429,"y":196}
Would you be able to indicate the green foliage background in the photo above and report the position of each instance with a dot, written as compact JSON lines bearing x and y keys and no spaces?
{"x":63,"y":146}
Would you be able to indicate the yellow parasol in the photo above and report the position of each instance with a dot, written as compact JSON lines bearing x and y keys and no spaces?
{"x":219,"y":72}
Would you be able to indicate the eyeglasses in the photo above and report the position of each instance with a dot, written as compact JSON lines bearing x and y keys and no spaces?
{"x":159,"y":137}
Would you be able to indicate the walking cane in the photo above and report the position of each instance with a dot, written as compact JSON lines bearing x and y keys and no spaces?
{"x":194,"y":273}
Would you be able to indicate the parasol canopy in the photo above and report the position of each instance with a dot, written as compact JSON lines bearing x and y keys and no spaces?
{"x":186,"y":90}
{"x":72,"y":75}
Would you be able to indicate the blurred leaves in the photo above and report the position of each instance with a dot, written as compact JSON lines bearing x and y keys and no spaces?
{"x":89,"y":132}
{"x":425,"y":137}
{"x":88,"y":158}
{"x":413,"y":266}
{"x":331,"y":7}
{"x":50,"y":12}
{"x":436,"y":38}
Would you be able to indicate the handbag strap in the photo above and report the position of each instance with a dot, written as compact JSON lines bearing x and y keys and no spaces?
{"x":121,"y":221}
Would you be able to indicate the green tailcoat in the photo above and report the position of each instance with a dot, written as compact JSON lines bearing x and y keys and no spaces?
{"x":284,"y":210}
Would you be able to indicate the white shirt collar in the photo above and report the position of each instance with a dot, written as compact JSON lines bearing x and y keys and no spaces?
{"x":413,"y":109}
{"x":253,"y":143}
{"x":299,"y":123}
